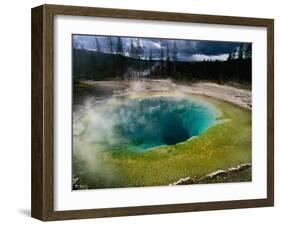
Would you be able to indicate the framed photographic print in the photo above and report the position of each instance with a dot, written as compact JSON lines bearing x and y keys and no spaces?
{"x":141,"y":112}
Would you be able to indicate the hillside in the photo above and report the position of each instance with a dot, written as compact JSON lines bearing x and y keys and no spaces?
{"x":94,"y":65}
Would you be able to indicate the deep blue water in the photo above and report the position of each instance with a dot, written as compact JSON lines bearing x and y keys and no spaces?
{"x":156,"y":121}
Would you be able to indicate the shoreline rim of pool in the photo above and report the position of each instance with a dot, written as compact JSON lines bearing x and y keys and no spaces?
{"x":145,"y":123}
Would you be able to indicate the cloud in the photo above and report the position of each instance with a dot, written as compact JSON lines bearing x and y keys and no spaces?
{"x":202,"y":57}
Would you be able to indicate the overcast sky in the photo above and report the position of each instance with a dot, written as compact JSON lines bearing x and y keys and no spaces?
{"x":187,"y":50}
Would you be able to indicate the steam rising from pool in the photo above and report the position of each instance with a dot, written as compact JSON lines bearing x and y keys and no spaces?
{"x":142,"y":124}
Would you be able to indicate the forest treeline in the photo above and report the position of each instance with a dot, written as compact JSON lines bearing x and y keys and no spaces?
{"x":97,"y":65}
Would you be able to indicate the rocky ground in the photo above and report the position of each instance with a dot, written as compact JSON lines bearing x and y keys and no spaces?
{"x":234,"y":174}
{"x":230,"y":93}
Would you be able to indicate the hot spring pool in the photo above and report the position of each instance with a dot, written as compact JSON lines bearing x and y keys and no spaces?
{"x":142,"y":124}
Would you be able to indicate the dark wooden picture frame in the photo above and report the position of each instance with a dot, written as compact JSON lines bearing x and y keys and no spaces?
{"x":43,"y":107}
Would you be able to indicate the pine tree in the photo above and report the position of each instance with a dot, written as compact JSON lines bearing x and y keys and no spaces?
{"x":75,"y":58}
{"x":175,"y":57}
{"x":168,"y":53}
{"x":240,"y":52}
{"x":119,"y":47}
{"x":132,"y":49}
{"x":140,"y":52}
{"x":150,"y":55}
{"x":175,"y":52}
{"x":140,"y":49}
{"x":161,"y":56}
{"x":248,"y":52}
{"x":75,"y":44}
{"x":168,"y":62}
{"x":110,"y":45}
{"x":97,"y":44}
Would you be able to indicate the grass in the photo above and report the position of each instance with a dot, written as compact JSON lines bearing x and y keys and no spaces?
{"x":227,"y":144}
